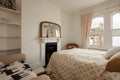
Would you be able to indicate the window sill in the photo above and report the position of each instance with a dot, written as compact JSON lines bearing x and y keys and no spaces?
{"x":97,"y":48}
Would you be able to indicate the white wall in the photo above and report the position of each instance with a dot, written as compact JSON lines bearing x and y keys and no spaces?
{"x":77,"y":29}
{"x":33,"y":12}
{"x":67,"y":29}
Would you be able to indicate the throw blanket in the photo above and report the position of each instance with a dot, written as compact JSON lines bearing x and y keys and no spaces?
{"x":79,"y":64}
{"x":19,"y":70}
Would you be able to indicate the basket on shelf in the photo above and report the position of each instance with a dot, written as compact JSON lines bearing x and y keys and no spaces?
{"x":10,"y":4}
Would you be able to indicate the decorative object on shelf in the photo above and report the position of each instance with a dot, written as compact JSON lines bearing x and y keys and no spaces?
{"x":11,"y":4}
{"x":50,"y":30}
{"x":2,"y":3}
{"x":51,"y":33}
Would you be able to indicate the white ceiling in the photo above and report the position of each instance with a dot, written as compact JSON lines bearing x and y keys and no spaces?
{"x":77,"y":5}
{"x":72,"y":5}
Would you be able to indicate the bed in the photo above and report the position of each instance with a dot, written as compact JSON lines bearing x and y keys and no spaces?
{"x":80,"y":64}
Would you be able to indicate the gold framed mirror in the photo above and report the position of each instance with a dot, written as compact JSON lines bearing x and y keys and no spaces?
{"x":50,"y":30}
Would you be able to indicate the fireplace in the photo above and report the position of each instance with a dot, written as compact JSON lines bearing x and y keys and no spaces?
{"x":49,"y":49}
{"x":46,"y":46}
{"x":50,"y":40}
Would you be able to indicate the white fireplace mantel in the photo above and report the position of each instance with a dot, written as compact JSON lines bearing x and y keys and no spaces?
{"x":43,"y":42}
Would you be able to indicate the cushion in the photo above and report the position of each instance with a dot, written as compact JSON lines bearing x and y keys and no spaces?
{"x":18,"y":70}
{"x":111,"y":52}
{"x":113,"y":64}
{"x":12,"y":58}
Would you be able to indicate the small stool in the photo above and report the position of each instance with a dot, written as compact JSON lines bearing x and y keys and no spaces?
{"x":71,"y":45}
{"x":42,"y":77}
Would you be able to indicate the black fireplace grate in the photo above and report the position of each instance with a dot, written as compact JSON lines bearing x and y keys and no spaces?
{"x":50,"y":48}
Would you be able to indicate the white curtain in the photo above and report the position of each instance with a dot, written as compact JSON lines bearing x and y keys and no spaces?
{"x":86,"y":20}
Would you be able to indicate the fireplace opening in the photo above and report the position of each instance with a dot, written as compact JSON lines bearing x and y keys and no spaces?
{"x":50,"y":48}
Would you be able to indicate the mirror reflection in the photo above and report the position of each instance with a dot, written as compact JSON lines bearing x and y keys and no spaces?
{"x":50,"y":30}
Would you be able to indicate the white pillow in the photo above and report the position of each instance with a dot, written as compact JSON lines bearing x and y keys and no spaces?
{"x":111,"y":52}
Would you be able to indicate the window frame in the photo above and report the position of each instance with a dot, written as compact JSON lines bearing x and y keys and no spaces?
{"x":107,"y":33}
{"x":112,"y":14}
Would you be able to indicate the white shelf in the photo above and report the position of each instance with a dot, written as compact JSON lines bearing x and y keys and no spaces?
{"x":10,"y":10}
{"x":7,"y":23}
{"x":10,"y":49}
{"x":10,"y":30}
{"x":13,"y":37}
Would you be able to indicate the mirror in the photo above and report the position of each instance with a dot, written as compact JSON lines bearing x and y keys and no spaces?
{"x":50,"y":30}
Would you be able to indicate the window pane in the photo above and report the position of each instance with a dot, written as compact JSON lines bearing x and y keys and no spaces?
{"x":91,"y":40}
{"x":116,"y":30}
{"x":96,"y":34}
{"x":116,"y":21}
{"x":116,"y":41}
{"x":97,"y":23}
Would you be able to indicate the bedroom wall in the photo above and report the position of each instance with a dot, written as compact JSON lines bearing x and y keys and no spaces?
{"x":33,"y":12}
{"x":67,"y":28}
{"x":77,"y":29}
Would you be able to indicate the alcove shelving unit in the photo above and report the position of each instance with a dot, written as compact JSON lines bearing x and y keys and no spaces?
{"x":10,"y":31}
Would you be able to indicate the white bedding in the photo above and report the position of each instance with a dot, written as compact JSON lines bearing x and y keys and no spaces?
{"x":80,"y":64}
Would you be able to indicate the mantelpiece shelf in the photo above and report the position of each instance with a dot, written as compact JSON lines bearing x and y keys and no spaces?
{"x":10,"y":10}
{"x":7,"y":23}
{"x":50,"y":39}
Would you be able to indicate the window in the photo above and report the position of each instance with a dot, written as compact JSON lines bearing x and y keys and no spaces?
{"x":116,"y":29}
{"x":96,"y":33}
{"x":105,"y":29}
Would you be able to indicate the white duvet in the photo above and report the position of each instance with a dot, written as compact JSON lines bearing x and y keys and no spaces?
{"x":80,"y":64}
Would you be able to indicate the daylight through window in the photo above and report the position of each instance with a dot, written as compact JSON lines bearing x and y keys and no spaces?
{"x":116,"y":29}
{"x":96,"y":33}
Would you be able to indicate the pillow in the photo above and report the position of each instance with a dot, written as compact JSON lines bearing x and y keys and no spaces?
{"x":18,"y":70}
{"x":111,"y":52}
{"x":113,"y":64}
